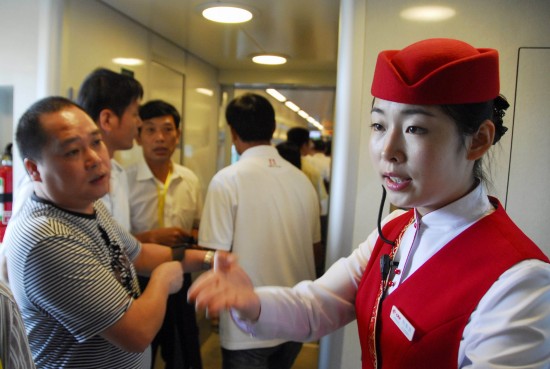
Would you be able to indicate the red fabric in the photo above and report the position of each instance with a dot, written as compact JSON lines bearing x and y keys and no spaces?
{"x":369,"y":286}
{"x":437,"y":71}
{"x":440,"y":296}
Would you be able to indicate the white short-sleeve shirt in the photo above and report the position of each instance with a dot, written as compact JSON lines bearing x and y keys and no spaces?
{"x":266,"y":211}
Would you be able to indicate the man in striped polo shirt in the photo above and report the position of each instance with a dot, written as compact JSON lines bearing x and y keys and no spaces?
{"x":72,"y":268}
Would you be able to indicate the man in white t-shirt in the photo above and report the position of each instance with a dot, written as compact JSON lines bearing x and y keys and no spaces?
{"x":300,"y":137}
{"x":321,"y":159}
{"x":265,"y":210}
{"x":165,"y":208}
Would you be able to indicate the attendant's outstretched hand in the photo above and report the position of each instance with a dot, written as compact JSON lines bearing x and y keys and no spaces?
{"x":225,"y":286}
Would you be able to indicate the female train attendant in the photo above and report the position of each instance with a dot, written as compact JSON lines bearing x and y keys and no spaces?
{"x":453,"y":282}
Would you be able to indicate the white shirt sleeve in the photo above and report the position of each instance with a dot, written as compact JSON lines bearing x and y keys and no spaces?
{"x":312,"y":309}
{"x":216,"y":226}
{"x":511,"y":326}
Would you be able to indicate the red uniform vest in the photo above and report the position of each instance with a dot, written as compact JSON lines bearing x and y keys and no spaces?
{"x":441,"y":295}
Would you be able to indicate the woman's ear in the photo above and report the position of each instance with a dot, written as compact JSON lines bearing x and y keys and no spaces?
{"x":32,"y":169}
{"x":482,"y":140}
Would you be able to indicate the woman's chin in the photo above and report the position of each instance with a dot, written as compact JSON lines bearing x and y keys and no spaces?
{"x":400,"y":202}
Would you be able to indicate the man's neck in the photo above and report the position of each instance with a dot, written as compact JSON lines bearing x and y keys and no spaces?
{"x":243,"y":146}
{"x":111,"y":149}
{"x":160,"y":169}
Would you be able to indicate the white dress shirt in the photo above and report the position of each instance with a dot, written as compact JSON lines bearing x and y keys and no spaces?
{"x":182,"y":204}
{"x":116,"y":200}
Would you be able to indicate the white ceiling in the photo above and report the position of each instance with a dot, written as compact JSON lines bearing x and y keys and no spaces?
{"x":305,"y":30}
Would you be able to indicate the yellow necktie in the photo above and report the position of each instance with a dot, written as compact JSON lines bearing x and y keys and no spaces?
{"x":161,"y":199}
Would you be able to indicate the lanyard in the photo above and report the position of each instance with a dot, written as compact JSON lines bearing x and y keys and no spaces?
{"x":161,"y":191}
{"x":385,"y":264}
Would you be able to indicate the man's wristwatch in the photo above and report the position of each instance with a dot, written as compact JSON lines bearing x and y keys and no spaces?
{"x":178,"y":253}
{"x":178,"y":250}
{"x":208,"y":260}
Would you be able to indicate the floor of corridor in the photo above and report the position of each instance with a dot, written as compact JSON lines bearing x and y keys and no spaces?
{"x":211,"y":354}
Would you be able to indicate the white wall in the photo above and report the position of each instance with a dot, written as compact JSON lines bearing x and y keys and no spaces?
{"x":502,"y":24}
{"x":6,"y":115}
{"x":92,"y":36}
{"x":18,"y":62}
{"x":529,"y":164}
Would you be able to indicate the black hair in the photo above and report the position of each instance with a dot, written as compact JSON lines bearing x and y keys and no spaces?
{"x":291,"y":153}
{"x":469,"y":117}
{"x":298,"y":135}
{"x":252,"y":117}
{"x":159,"y":108}
{"x":105,"y":89}
{"x":319,"y":145}
{"x":328,"y":149}
{"x":30,"y":135}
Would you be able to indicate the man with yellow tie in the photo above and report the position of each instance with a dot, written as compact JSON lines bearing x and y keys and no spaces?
{"x":165,"y":207}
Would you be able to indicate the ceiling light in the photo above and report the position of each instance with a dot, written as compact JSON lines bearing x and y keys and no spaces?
{"x":269,"y":59}
{"x":128,"y":61}
{"x":303,"y":114}
{"x":276,"y":94}
{"x":317,"y":125}
{"x":292,"y":106}
{"x":205,"y":91}
{"x":226,"y":13}
{"x":428,"y":13}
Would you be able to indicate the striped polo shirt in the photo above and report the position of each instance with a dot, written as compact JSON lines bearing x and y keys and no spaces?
{"x":72,"y":277}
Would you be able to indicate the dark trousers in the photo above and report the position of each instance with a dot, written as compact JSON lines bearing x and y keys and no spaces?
{"x":278,"y":357}
{"x":178,"y":337}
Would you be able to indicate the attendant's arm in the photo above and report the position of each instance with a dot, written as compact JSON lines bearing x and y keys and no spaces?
{"x":226,"y":286}
{"x":302,"y":313}
{"x":305,"y":312}
{"x":510,"y":327}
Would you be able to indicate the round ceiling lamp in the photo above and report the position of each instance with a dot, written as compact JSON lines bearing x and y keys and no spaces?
{"x":269,"y":59}
{"x":226,"y":12}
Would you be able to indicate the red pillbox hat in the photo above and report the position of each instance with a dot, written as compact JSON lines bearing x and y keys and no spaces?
{"x":437,"y":71}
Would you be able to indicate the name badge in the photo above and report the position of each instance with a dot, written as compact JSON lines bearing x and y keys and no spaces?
{"x":402,"y":323}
